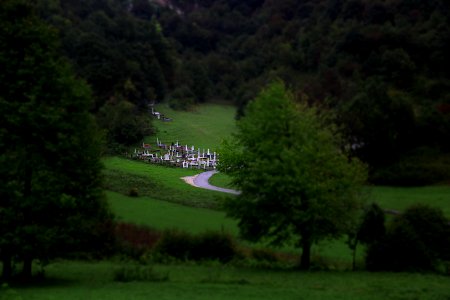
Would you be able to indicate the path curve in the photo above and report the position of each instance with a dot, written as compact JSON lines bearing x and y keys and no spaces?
{"x":201,"y":181}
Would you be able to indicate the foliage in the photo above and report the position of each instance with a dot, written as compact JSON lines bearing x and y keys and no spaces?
{"x":295,"y":181}
{"x":372,"y":229}
{"x":134,"y":241}
{"x":206,"y":246}
{"x":379,"y":65}
{"x":416,"y":240}
{"x":51,"y":203}
{"x":145,"y":273}
{"x":117,"y":48}
{"x":123,"y":125}
{"x":422,"y":167}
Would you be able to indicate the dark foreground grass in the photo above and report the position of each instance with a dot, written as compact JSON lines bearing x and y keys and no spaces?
{"x":82,"y":280}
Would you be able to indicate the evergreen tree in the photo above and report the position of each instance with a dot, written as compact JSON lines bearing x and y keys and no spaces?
{"x":51,"y":203}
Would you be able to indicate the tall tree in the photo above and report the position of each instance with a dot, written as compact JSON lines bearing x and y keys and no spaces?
{"x":51,"y":203}
{"x":296,"y":183}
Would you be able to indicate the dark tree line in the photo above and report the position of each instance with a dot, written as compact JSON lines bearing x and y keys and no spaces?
{"x":119,"y":49}
{"x":380,"y":65}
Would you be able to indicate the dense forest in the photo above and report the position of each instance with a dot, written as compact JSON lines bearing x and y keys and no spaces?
{"x":379,"y":66}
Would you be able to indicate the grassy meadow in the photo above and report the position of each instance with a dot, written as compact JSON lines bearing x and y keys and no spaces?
{"x":95,"y":280}
{"x":204,"y":126}
{"x":164,"y":201}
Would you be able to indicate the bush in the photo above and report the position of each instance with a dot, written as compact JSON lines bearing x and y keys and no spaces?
{"x":214,"y":246}
{"x":134,"y":241}
{"x":182,"y":99}
{"x":175,"y":244}
{"x":422,"y":167}
{"x":138,"y":273}
{"x":264,"y":255}
{"x":417,"y":240}
{"x":372,"y":228}
{"x":133,"y":192}
{"x":207,"y":246}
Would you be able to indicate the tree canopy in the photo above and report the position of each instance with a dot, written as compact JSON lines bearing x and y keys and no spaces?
{"x":51,"y":202}
{"x":380,"y":65}
{"x":297,"y":184}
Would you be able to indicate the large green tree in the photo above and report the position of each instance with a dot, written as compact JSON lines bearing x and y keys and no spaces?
{"x":296,"y":182}
{"x":51,"y":203}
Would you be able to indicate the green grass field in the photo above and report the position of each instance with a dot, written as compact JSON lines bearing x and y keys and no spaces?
{"x":162,"y":183}
{"x":204,"y":127}
{"x":94,"y":280}
{"x":165,"y":215}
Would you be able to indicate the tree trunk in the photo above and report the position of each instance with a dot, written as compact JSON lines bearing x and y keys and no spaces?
{"x":7,"y":267}
{"x":305,"y":262}
{"x":27,"y":268}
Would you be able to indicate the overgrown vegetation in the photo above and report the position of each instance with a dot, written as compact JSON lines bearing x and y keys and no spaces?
{"x":378,"y":64}
{"x":416,"y":240}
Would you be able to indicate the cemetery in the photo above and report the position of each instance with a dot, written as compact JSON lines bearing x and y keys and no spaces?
{"x":177,"y":155}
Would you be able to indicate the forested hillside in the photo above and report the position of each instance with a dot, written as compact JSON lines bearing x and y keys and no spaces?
{"x":380,"y":66}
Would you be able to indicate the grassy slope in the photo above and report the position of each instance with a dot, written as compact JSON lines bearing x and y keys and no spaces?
{"x":166,"y":183}
{"x":204,"y":127}
{"x":165,"y":215}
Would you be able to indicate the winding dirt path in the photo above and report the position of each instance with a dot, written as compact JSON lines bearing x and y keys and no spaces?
{"x":202,"y":181}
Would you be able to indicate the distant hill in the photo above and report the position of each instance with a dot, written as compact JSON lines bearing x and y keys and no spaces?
{"x":380,"y":66}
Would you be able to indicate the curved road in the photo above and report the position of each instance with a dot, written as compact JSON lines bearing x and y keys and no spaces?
{"x":201,"y":181}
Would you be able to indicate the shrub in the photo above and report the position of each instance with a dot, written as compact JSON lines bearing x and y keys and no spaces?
{"x":133,"y":192}
{"x":176,"y":244}
{"x":207,"y":246}
{"x":422,"y":167}
{"x":134,"y":240}
{"x":372,"y":228}
{"x":417,"y":240}
{"x":264,"y":255}
{"x":182,"y":99}
{"x":138,"y":273}
{"x":214,"y":246}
